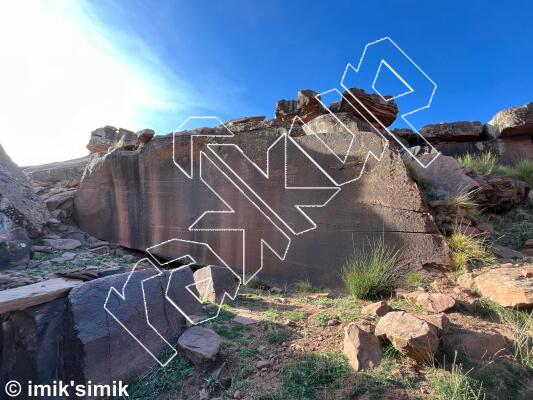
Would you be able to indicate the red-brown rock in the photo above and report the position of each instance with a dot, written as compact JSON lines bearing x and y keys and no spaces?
{"x":362,"y":348}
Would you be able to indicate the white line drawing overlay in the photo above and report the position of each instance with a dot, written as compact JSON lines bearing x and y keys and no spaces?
{"x":220,"y":159}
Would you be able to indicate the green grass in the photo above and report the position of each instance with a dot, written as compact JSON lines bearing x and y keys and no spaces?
{"x":485,"y":164}
{"x":304,"y":286}
{"x":322,"y":318}
{"x":314,"y":376}
{"x":374,"y":382}
{"x":160,"y":380}
{"x":295,"y":315}
{"x":523,"y":171}
{"x":373,"y":271}
{"x":416,"y":279}
{"x":276,"y":333}
{"x":512,"y":228}
{"x":455,"y":385}
{"x":521,"y":324}
{"x":403,"y":304}
{"x":469,"y":250}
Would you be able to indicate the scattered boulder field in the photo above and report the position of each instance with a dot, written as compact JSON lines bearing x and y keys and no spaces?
{"x":77,"y":272}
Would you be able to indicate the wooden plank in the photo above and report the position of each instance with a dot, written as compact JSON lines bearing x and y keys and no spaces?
{"x":38,"y":293}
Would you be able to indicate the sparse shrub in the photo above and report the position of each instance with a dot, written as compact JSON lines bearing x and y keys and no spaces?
{"x":469,"y":250}
{"x":523,"y":170}
{"x":484,"y":164}
{"x":304,"y":286}
{"x":487,"y":164}
{"x":455,"y":385}
{"x":295,"y":315}
{"x":465,"y":199}
{"x":322,"y":318}
{"x":416,"y":279}
{"x":370,"y":272}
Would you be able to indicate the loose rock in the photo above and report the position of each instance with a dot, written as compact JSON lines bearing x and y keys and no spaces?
{"x":362,"y":348}
{"x":508,"y":286}
{"x":201,"y":345}
{"x":410,"y":335}
{"x":436,"y":302}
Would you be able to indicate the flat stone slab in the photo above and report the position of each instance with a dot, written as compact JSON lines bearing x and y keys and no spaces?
{"x":38,"y":293}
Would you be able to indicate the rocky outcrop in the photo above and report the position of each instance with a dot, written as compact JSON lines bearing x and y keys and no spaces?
{"x":19,"y":205}
{"x":508,"y":286}
{"x":103,"y":138}
{"x":385,"y":110}
{"x":514,"y":121}
{"x":65,"y":171}
{"x":447,"y":178}
{"x":461,"y":131}
{"x":508,"y":135}
{"x":140,"y":198}
{"x":356,"y":102}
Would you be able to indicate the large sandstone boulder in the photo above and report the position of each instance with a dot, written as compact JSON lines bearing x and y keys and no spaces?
{"x":460,"y":131}
{"x":102,"y":139}
{"x":19,"y":205}
{"x":139,"y":199}
{"x":508,"y":286}
{"x":410,"y":335}
{"x":514,"y":121}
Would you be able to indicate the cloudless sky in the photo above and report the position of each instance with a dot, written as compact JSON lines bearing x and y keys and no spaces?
{"x":70,"y":67}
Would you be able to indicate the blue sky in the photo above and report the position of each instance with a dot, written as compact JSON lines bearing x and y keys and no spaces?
{"x":141,"y":64}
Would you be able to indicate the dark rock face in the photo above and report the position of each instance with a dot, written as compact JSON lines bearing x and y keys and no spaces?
{"x":15,"y":248}
{"x":286,"y":109}
{"x":107,"y":352}
{"x":74,"y":338}
{"x":461,"y":131}
{"x":139,"y":199}
{"x":32,"y":344}
{"x":384,"y":110}
{"x":19,"y":205}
